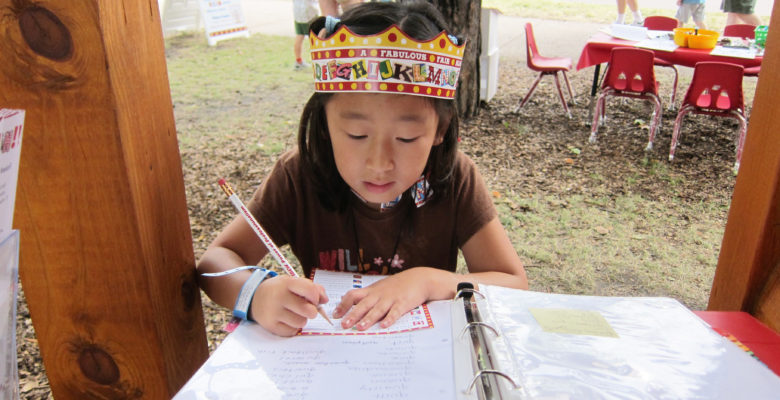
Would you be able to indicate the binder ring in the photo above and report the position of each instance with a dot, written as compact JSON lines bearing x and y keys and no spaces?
{"x":493,"y":372}
{"x":478,"y":323}
{"x":468,"y":291}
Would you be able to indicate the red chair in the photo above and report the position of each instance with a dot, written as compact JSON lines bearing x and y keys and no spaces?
{"x":661,"y":23}
{"x":629,"y":74}
{"x":744,"y":31}
{"x":716,"y":89}
{"x":751,"y":71}
{"x":545,"y":66}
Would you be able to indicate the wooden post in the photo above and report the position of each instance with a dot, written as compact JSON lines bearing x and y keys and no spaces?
{"x":748,"y":273}
{"x":107,"y":264}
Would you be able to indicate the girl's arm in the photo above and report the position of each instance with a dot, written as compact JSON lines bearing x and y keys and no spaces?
{"x":281,"y":305}
{"x":490,"y":257}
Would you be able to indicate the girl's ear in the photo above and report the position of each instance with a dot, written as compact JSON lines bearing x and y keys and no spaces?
{"x":441,"y":132}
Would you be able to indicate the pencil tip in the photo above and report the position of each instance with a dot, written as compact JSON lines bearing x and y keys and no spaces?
{"x":324,"y":315}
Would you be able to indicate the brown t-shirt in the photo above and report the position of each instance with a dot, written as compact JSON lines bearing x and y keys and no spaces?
{"x":289,"y":210}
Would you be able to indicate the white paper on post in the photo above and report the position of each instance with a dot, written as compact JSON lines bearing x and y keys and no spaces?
{"x":11,"y":128}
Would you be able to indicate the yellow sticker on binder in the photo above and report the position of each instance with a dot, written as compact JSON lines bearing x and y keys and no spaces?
{"x":573,"y":322}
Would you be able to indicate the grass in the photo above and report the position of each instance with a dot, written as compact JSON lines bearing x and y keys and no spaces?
{"x":246,"y":86}
{"x":624,"y":245}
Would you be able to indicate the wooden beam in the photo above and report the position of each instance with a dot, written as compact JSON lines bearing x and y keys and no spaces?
{"x":746,"y":276}
{"x":107,"y":264}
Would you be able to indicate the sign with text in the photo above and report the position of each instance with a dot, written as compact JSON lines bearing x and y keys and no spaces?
{"x":224,"y":19}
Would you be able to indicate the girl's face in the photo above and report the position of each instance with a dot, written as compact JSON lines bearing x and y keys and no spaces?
{"x":381,"y":142}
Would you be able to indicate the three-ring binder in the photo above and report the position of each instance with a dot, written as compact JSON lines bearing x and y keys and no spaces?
{"x":486,"y":376}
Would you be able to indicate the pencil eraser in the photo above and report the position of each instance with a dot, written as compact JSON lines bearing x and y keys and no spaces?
{"x":221,"y":181}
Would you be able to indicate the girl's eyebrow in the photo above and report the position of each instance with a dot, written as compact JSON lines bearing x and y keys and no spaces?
{"x":411,"y":118}
{"x":350,"y":114}
{"x":356,"y":115}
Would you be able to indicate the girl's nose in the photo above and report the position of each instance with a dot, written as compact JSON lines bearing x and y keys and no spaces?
{"x":380,"y":156}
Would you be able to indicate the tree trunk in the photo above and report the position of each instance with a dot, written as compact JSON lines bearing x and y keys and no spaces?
{"x":463,"y":17}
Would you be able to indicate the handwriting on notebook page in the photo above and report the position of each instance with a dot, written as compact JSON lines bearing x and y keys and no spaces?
{"x":373,"y":367}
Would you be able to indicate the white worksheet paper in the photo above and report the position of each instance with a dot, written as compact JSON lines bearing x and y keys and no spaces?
{"x":336,"y":285}
{"x":252,"y":363}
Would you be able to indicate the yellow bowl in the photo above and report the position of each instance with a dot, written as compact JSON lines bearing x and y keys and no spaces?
{"x":681,"y":36}
{"x":704,"y":40}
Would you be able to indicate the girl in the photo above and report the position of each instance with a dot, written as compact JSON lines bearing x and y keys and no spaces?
{"x":376,"y":184}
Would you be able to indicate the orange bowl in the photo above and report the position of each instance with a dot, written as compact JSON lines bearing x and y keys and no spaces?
{"x":681,"y":36}
{"x":704,"y":40}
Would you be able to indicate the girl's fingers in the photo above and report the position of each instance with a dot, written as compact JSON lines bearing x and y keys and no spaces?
{"x":347,"y":301}
{"x":396,"y":311}
{"x":377,"y":312}
{"x":312,"y":292}
{"x":282,"y":329}
{"x":300,"y":306}
{"x":358,"y":311}
{"x":294,"y":319}
{"x":283,"y":305}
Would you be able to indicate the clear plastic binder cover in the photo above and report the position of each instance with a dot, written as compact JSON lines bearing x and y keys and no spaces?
{"x":658,"y":350}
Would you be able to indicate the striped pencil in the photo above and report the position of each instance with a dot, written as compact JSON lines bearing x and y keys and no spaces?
{"x":269,"y":244}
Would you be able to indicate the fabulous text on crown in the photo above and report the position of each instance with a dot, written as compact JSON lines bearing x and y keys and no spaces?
{"x":388,"y":62}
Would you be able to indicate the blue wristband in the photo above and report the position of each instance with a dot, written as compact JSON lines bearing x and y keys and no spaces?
{"x":244,"y":300}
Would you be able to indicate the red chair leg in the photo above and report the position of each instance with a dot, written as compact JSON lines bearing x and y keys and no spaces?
{"x":568,"y":85}
{"x":597,"y":115}
{"x":560,"y":94}
{"x":674,"y":88}
{"x":655,"y":122}
{"x":741,"y":140}
{"x":677,"y":128}
{"x":530,"y":91}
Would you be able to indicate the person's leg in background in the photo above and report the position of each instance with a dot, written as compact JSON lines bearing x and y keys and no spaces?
{"x":740,"y":12}
{"x":621,"y":9}
{"x":633,"y":6}
{"x":698,"y":16}
{"x":301,"y":30}
{"x":329,"y":7}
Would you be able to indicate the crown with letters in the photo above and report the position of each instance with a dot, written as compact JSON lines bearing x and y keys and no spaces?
{"x":387,"y":62}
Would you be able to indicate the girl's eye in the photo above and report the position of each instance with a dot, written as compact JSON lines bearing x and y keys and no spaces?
{"x":356,"y":137}
{"x":407,"y":140}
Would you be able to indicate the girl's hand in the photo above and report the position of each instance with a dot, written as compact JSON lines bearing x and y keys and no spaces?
{"x":283,"y":304}
{"x":388,"y":299}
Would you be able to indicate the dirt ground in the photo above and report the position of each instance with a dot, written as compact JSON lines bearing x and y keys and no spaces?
{"x":529,"y":150}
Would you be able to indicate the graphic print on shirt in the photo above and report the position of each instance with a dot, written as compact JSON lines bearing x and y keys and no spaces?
{"x":344,"y":260}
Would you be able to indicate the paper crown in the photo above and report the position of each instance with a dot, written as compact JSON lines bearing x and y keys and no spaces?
{"x":387,"y":62}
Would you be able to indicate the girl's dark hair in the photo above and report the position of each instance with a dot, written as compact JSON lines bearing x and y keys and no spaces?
{"x":419,"y":20}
